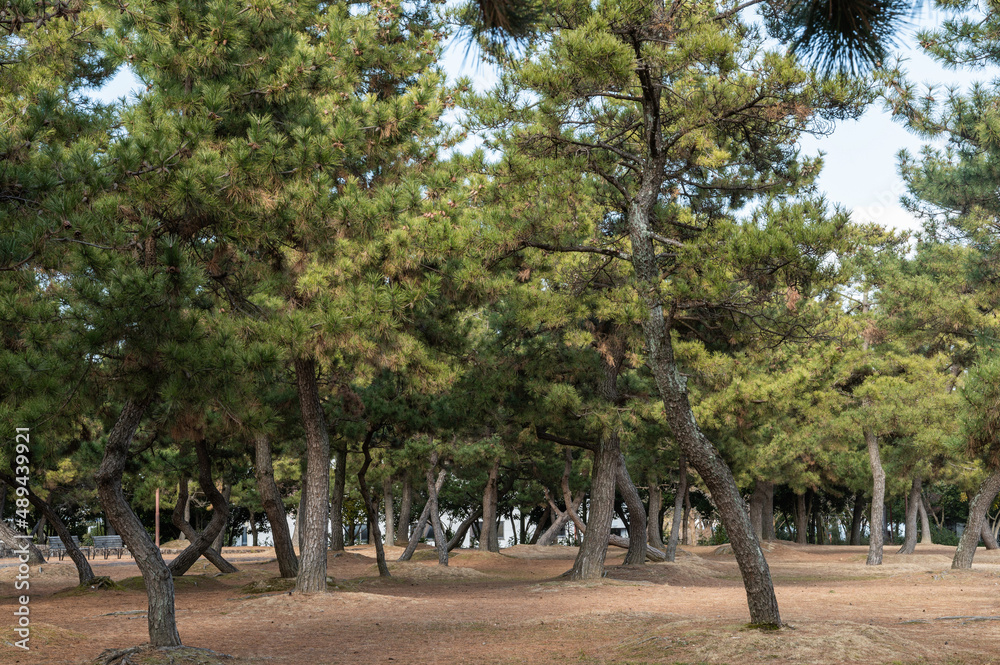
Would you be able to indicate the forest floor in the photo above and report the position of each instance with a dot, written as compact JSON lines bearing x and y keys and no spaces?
{"x":515,"y":608}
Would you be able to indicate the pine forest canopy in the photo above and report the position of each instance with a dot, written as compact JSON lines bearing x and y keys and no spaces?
{"x":270,"y":283}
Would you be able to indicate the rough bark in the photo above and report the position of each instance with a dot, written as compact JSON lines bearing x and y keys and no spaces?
{"x":161,"y":617}
{"x":540,"y":527}
{"x":405,"y":507}
{"x":589,"y":563}
{"x":686,"y":522}
{"x":912,"y":508}
{"x":767,"y":512}
{"x":654,"y":525}
{"x":925,"y":524}
{"x":371,"y":507}
{"x":220,"y":539}
{"x":978,"y":507}
{"x":756,"y":508}
{"x":488,"y":539}
{"x":312,"y":561}
{"x":16,"y":540}
{"x":801,"y":520}
{"x":440,"y":542}
{"x":856,"y":517}
{"x":83,"y":569}
{"x":418,"y":531}
{"x":637,"y":526}
{"x":300,"y":513}
{"x":201,"y":543}
{"x":337,"y":499}
{"x":284,"y":551}
{"x":877,"y":518}
{"x":989,"y":540}
{"x":464,"y":527}
{"x":390,"y":517}
{"x":675,"y":525}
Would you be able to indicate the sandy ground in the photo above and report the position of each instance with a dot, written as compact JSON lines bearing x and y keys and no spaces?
{"x":515,"y":608}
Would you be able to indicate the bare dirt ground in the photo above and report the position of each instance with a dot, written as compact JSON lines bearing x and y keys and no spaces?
{"x":515,"y":608}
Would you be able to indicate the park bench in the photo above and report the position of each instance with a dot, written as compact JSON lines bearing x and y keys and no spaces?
{"x":109,"y":544}
{"x":57,"y":547}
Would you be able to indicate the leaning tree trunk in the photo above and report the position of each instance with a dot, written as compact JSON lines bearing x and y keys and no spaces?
{"x":440,"y":542}
{"x":877,"y":519}
{"x":675,"y":525}
{"x":220,"y":539}
{"x":312,"y":561}
{"x":390,"y":518}
{"x":405,"y":507}
{"x":161,"y":617}
{"x":284,"y":551}
{"x":637,"y":531}
{"x":989,"y":540}
{"x":337,"y":500}
{"x":418,"y":531}
{"x":201,"y":543}
{"x":488,"y":539}
{"x":464,"y":527}
{"x":371,"y":508}
{"x":83,"y":569}
{"x":912,"y":508}
{"x":856,"y":517}
{"x":16,"y":540}
{"x":925,"y":524}
{"x":701,"y":454}
{"x":654,"y":525}
{"x":978,"y":507}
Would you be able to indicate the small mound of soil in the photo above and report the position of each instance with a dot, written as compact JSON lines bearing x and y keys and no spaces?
{"x":52,"y":570}
{"x":425,"y":555}
{"x":423,"y":571}
{"x":41,"y":633}
{"x":147,"y":655}
{"x":181,"y":583}
{"x":271,"y":585}
{"x":175,"y":544}
{"x":541,"y":551}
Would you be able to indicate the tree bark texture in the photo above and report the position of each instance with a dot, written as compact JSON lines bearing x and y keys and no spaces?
{"x":440,"y":542}
{"x":220,"y":539}
{"x":390,"y":517}
{"x":989,"y":540}
{"x":912,"y":508}
{"x":856,"y":517}
{"x":654,"y":525}
{"x":371,"y":507}
{"x":337,"y":500}
{"x":161,"y":617}
{"x":978,"y":507}
{"x":877,"y":519}
{"x":274,"y":507}
{"x":418,"y":531}
{"x":405,"y":507}
{"x":488,"y":539}
{"x":756,"y":508}
{"x":767,"y":512}
{"x":675,"y":525}
{"x":15,"y":540}
{"x":464,"y":527}
{"x":637,"y":526}
{"x":589,"y":564}
{"x":925,"y":524}
{"x":312,"y":561}
{"x":201,"y":543}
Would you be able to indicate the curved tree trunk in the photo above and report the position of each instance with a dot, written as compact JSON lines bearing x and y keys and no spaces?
{"x":312,"y":561}
{"x":856,"y":517}
{"x":440,"y":542}
{"x":418,"y":531}
{"x":464,"y":527}
{"x":877,"y":519}
{"x":675,"y":524}
{"x":488,"y":539}
{"x":405,"y":507}
{"x":20,"y":541}
{"x":912,"y":508}
{"x":220,"y":539}
{"x":371,"y":507}
{"x":974,"y":525}
{"x":989,"y":540}
{"x":284,"y":551}
{"x":637,"y":531}
{"x":337,"y":500}
{"x":201,"y":543}
{"x":83,"y":569}
{"x":161,"y":617}
{"x":654,"y":525}
{"x":925,"y":524}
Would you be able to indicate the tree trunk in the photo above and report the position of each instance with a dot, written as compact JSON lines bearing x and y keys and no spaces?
{"x":856,"y":517}
{"x":284,"y":551}
{"x":925,"y":524}
{"x":161,"y":617}
{"x":672,"y":387}
{"x":756,"y":508}
{"x":877,"y":519}
{"x":390,"y":517}
{"x":767,"y":512}
{"x":297,"y":534}
{"x":675,"y":524}
{"x":440,"y":542}
{"x":912,"y":508}
{"x":978,"y":507}
{"x":543,"y":522}
{"x":637,"y":527}
{"x":488,"y":539}
{"x":201,"y":543}
{"x":16,"y":540}
{"x":464,"y":527}
{"x":801,"y":520}
{"x":253,"y":528}
{"x":405,"y":507}
{"x":83,"y":569}
{"x":220,"y":540}
{"x":371,"y":507}
{"x":312,"y":561}
{"x":686,"y":522}
{"x":589,"y":564}
{"x":418,"y":531}
{"x":654,"y":524}
{"x":989,"y":540}
{"x":337,"y":500}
